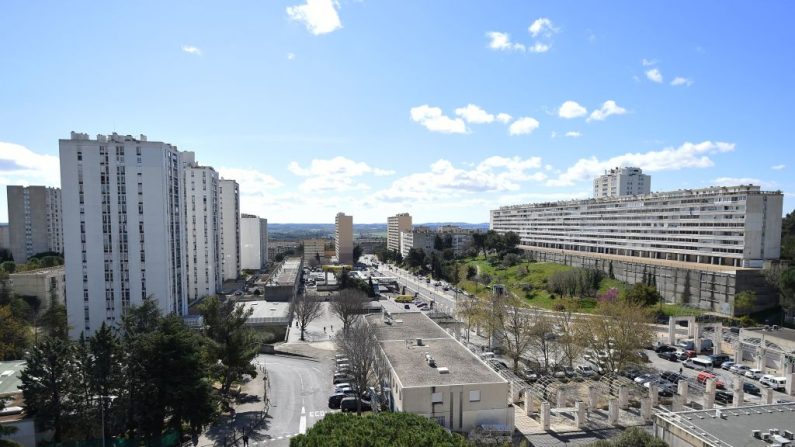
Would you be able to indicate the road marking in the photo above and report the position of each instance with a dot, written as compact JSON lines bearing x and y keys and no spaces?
{"x":302,"y":424}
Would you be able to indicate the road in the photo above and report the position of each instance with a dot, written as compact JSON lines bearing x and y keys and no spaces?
{"x":444,"y":301}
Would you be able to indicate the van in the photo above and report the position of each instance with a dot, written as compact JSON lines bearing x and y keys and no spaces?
{"x":704,"y":375}
{"x":776,"y":383}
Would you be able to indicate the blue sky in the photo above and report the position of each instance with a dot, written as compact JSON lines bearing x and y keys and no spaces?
{"x":444,"y":109}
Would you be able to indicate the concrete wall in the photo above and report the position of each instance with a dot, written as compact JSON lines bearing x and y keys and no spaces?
{"x":708,"y":290}
{"x":42,"y":283}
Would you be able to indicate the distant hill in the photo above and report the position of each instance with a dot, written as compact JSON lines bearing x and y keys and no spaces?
{"x":293,"y":231}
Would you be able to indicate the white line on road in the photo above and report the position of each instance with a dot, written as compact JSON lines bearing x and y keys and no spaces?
{"x":302,"y":424}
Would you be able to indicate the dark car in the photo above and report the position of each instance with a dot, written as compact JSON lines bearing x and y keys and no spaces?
{"x":342,"y":378}
{"x":750,"y":388}
{"x":672,"y":377}
{"x":723,"y":397}
{"x":349,"y":404}
{"x":666,"y":390}
{"x":631,"y":373}
{"x":335,"y":399}
{"x":664,"y":348}
{"x":719,"y":359}
{"x":668,"y":355}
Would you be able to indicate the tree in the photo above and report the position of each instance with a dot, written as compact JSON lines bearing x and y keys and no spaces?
{"x":415,"y":258}
{"x":348,"y":306}
{"x":631,"y":437}
{"x":516,"y":329}
{"x":610,"y":273}
{"x":54,"y":320}
{"x":105,"y":371}
{"x":47,"y":384}
{"x":479,"y":243}
{"x":232,"y":342}
{"x":8,"y":266}
{"x":438,"y":243}
{"x":370,"y":289}
{"x":306,"y":310}
{"x":359,"y":344}
{"x":15,"y":335}
{"x":541,"y":342}
{"x":569,"y":334}
{"x":469,"y":309}
{"x":643,"y":295}
{"x":618,"y":330}
{"x":744,"y":302}
{"x":357,"y":253}
{"x":380,"y":429}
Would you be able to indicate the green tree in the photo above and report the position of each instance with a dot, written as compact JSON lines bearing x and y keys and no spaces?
{"x":380,"y":429}
{"x":643,"y":295}
{"x":631,"y":437}
{"x":744,"y":302}
{"x":357,"y":253}
{"x":438,"y":243}
{"x":8,"y":266}
{"x":15,"y":335}
{"x":415,"y":258}
{"x":479,"y":243}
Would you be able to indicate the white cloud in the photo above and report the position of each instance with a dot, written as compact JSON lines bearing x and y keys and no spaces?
{"x":571,"y":109}
{"x":688,"y":155}
{"x":778,"y":167}
{"x":573,"y":134}
{"x":21,"y":166}
{"x":319,"y":16}
{"x":679,"y":81}
{"x":335,"y":174}
{"x":504,"y":118}
{"x":523,"y":126}
{"x":608,"y":108}
{"x":474,"y":114}
{"x":648,"y":62}
{"x":434,"y":120}
{"x":654,"y":75}
{"x":290,"y":56}
{"x":735,"y":181}
{"x":190,"y":49}
{"x":542,"y":26}
{"x":502,"y":41}
{"x":252,"y":182}
{"x":538,"y":47}
{"x":445,"y":181}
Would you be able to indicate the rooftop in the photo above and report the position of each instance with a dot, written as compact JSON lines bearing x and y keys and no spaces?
{"x":59,"y":269}
{"x":733,"y":426}
{"x":287,"y":273}
{"x":267,"y":309}
{"x":398,"y":340}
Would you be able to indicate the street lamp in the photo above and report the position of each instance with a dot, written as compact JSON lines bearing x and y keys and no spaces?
{"x":102,"y":413}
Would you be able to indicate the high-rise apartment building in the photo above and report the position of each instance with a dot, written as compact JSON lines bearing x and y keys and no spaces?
{"x":203,"y":271}
{"x":123,"y":220}
{"x":623,"y":181}
{"x":343,"y":238}
{"x":34,"y":221}
{"x":253,"y":242}
{"x":229,"y":197}
{"x":5,"y":238}
{"x":314,"y":249}
{"x":394,"y":226}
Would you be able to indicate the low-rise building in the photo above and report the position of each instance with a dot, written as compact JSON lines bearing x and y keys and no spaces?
{"x":429,"y":373}
{"x":283,"y":283}
{"x":46,"y":284}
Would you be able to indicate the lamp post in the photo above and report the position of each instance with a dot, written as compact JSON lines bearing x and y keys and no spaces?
{"x":102,"y":413}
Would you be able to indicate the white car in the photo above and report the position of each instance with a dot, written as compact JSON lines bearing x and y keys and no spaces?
{"x":739,"y":369}
{"x":777,"y":383}
{"x":754,"y":373}
{"x":586,"y":370}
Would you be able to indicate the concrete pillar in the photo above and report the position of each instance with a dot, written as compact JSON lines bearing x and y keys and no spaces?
{"x":612,"y":411}
{"x":761,"y":354}
{"x":623,"y":395}
{"x":697,"y":344}
{"x":790,"y":387}
{"x":739,"y":394}
{"x":545,"y":415}
{"x":682,"y":389}
{"x":718,"y":341}
{"x":529,"y":404}
{"x":671,"y":331}
{"x":653,"y":397}
{"x":709,"y":395}
{"x":767,"y":395}
{"x":676,"y":403}
{"x":645,"y":409}
{"x":592,"y":398}
{"x":738,"y":352}
{"x":579,"y":414}
{"x":560,"y":400}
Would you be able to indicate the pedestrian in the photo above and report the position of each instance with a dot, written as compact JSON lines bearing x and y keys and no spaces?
{"x":245,"y":440}
{"x":332,"y":328}
{"x":324,"y":328}
{"x":680,"y":370}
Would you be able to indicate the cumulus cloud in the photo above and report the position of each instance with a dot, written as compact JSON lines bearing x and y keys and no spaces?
{"x":654,"y":75}
{"x":434,"y":120}
{"x":444,"y":180}
{"x":524,"y":125}
{"x":319,"y":16}
{"x":190,"y":49}
{"x":571,"y":109}
{"x":504,"y":118}
{"x":335,"y":174}
{"x":543,"y":27}
{"x":21,"y":166}
{"x":474,"y":114}
{"x":778,"y":167}
{"x":681,"y":81}
{"x":608,"y":108}
{"x":688,"y":155}
{"x":648,"y":62}
{"x":251,"y":181}
{"x":573,"y":134}
{"x":502,"y":42}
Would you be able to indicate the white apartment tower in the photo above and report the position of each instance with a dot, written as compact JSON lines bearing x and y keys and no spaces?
{"x":253,"y":242}
{"x":203,"y":271}
{"x":623,"y":181}
{"x":229,"y":197}
{"x":34,"y":221}
{"x":394,"y":226}
{"x":343,"y":238}
{"x":124,"y":236}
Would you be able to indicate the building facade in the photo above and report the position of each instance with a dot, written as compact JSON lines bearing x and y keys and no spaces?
{"x":314,"y":249}
{"x":5,"y":238}
{"x":625,"y":181}
{"x":253,"y":242}
{"x":46,"y":284}
{"x":455,"y":238}
{"x":343,"y":238}
{"x":124,"y":230}
{"x":229,"y":198}
{"x":34,"y":221}
{"x":736,"y":226}
{"x":204,"y":268}
{"x":394,"y":227}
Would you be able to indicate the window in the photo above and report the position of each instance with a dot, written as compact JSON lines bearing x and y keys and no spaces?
{"x":436,"y":398}
{"x":474,"y":396}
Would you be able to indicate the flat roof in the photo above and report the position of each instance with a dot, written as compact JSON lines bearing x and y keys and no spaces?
{"x":58,"y":269}
{"x":734,"y":425}
{"x":267,"y":309}
{"x":9,"y":376}
{"x":287,"y":273}
{"x":398,"y":340}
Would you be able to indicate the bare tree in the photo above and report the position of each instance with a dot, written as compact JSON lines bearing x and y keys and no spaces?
{"x":306,"y":309}
{"x":359,"y":343}
{"x":542,"y":340}
{"x":348,"y":305}
{"x":468,"y":308}
{"x":570,"y":334}
{"x":516,"y":329}
{"x":616,"y":333}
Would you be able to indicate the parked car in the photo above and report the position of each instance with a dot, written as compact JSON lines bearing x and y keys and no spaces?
{"x":664,"y":348}
{"x":342,"y":378}
{"x":631,"y":372}
{"x":643,"y":378}
{"x":569,"y":371}
{"x":335,"y":399}
{"x":750,"y":388}
{"x":719,"y":359}
{"x":586,"y":370}
{"x":777,"y":383}
{"x":727,"y":365}
{"x":529,"y":375}
{"x":672,"y":377}
{"x":739,"y":369}
{"x":670,"y":356}
{"x":724,"y":397}
{"x":349,"y":404}
{"x":704,"y":375}
{"x":754,"y":373}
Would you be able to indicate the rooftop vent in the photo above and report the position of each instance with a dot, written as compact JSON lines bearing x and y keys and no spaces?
{"x":443,"y":370}
{"x":429,"y":359}
{"x":419,"y":342}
